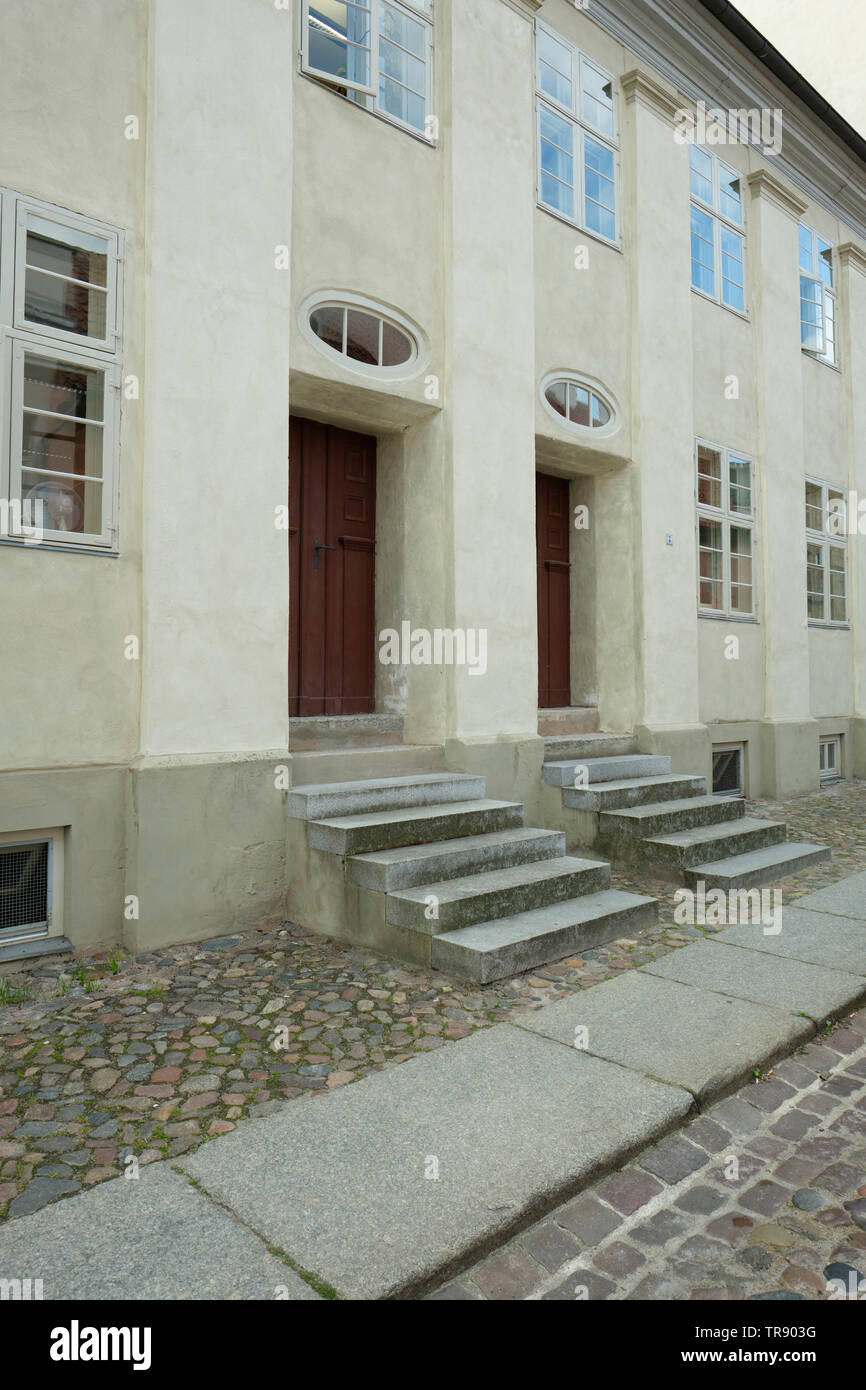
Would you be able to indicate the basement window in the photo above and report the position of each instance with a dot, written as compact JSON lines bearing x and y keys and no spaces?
{"x":25,"y":889}
{"x":830,"y":759}
{"x":728,"y":770}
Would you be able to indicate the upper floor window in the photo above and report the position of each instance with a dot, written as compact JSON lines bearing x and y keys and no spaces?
{"x":718,"y":260}
{"x":376,"y":52}
{"x":817,"y":295}
{"x":726,"y":520}
{"x":60,"y":294}
{"x":577,"y":139}
{"x":365,"y":336}
{"x":578,"y":403}
{"x":826,"y":553}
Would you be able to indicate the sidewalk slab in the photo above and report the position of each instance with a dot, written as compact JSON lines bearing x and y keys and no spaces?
{"x":816,"y":937}
{"x":846,"y":898}
{"x":765,"y":979}
{"x":515,"y":1122}
{"x":153,"y":1237}
{"x":685,"y":1035}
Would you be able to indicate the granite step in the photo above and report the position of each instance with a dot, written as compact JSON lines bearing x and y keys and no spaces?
{"x":684,"y":849}
{"x":461,"y":902}
{"x":328,"y":799}
{"x":639,"y":791}
{"x":662,"y":817}
{"x":494,"y":950}
{"x":377,"y":830}
{"x":757,"y":866}
{"x":388,"y":870}
{"x":588,"y":746}
{"x":614,"y":769}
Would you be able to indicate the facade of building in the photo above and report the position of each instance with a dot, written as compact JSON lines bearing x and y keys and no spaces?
{"x":552,"y":379}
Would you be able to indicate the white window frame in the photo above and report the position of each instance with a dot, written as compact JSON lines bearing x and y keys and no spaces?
{"x":17,"y":336}
{"x":54,"y":925}
{"x":727,"y":517}
{"x":338,"y":299}
{"x":827,"y":539}
{"x":582,"y":129}
{"x":719,"y":220}
{"x":829,"y":349}
{"x":595,"y":389}
{"x":740,"y":750}
{"x":367,"y":95}
{"x":73,"y":223}
{"x":107,"y":535}
{"x":826,"y":774}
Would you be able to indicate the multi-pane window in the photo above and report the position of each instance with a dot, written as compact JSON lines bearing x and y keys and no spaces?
{"x":725,"y":531}
{"x":577,"y":139}
{"x":826,"y":547}
{"x":817,"y":295}
{"x":718,"y":255}
{"x":59,"y":375}
{"x":830,"y":759}
{"x":376,"y":52}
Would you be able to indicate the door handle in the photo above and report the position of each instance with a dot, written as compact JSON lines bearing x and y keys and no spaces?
{"x":317,"y":546}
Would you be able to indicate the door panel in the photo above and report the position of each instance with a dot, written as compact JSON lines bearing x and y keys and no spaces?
{"x":552,"y":537}
{"x":332,"y":533}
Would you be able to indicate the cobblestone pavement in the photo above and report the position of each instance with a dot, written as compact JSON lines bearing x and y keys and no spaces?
{"x":762,"y":1196}
{"x":151,"y":1056}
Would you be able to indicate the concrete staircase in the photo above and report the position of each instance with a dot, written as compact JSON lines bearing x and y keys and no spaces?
{"x":428,"y":869}
{"x":642,"y":813}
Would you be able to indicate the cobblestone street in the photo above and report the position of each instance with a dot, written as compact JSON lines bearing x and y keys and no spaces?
{"x":763,"y":1196}
{"x":107,"y":1057}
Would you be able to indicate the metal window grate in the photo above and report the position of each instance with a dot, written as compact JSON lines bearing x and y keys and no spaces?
{"x":24,"y":887}
{"x":728,"y":772}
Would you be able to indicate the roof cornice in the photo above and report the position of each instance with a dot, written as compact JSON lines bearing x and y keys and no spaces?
{"x":681,"y":42}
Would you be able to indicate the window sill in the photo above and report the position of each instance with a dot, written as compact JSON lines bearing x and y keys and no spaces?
{"x":828,"y":627}
{"x":833,"y":366}
{"x":738,"y":313}
{"x":594,"y":236}
{"x":727,"y":618}
{"x":111,"y":554}
{"x":369,"y":110}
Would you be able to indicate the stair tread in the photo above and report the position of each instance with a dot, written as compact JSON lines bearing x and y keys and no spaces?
{"x":538,"y":921}
{"x":665,"y":808}
{"x":428,"y":811}
{"x":783,"y":853}
{"x":494,"y":880}
{"x":698,"y":834}
{"x":410,"y":779}
{"x":437,"y":848}
{"x":659,"y":780}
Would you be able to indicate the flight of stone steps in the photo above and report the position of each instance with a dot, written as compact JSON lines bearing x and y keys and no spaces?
{"x":428,"y":869}
{"x":647,"y":815}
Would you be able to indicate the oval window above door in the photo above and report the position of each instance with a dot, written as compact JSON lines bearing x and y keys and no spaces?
{"x":577,"y":403}
{"x":365,"y":336}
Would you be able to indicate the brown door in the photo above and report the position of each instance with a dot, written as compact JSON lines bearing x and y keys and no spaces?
{"x":332,"y":535}
{"x":554,"y":599}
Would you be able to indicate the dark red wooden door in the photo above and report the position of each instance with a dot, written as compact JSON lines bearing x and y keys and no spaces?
{"x":332,"y":548}
{"x":552,"y":537}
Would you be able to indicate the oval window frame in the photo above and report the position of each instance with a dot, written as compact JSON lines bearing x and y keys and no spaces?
{"x":344,"y":299}
{"x":595,"y":388}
